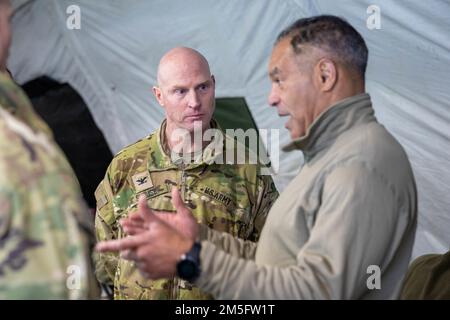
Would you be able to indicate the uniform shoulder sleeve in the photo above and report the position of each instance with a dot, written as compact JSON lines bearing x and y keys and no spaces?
{"x":266,"y":194}
{"x":105,"y":229}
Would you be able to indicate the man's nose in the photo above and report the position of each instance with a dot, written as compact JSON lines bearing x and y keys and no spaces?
{"x":194,"y":100}
{"x":274,"y":99}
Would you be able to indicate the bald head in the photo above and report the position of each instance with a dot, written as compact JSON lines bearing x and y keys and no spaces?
{"x":186,"y":90}
{"x":179,"y":61}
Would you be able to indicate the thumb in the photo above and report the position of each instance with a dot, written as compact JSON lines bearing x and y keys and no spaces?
{"x":177,"y":201}
{"x":144,"y":211}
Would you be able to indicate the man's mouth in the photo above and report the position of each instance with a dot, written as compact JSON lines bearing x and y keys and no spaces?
{"x":194,"y":116}
{"x":282,"y":113}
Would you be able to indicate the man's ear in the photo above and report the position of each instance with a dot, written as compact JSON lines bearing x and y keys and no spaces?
{"x":158,"y":95}
{"x":326,"y":74}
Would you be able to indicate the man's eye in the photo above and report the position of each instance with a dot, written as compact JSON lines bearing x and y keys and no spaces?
{"x":203,"y":87}
{"x":179,"y":91}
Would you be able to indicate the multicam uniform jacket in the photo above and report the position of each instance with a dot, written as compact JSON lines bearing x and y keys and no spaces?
{"x":45,"y":228}
{"x":229,"y":198}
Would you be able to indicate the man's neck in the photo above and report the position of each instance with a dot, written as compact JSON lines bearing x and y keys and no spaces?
{"x":181,"y":140}
{"x":345,"y":90}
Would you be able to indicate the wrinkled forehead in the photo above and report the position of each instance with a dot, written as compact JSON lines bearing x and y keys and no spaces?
{"x":281,"y":52}
{"x":284,"y":57}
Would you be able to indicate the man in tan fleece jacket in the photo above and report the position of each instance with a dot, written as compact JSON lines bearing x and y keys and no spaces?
{"x":344,"y":227}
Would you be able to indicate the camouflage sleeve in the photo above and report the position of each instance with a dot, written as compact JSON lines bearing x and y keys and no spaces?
{"x":14,"y":100}
{"x":105,"y":263}
{"x":266,"y":196}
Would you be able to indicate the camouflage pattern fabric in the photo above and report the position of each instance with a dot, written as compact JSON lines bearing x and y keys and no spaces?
{"x":14,"y":101}
{"x":45,"y":229}
{"x":229,"y":198}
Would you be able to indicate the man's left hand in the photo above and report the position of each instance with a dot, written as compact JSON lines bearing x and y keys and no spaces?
{"x":156,"y":250}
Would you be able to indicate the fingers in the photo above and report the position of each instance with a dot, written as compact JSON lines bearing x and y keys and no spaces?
{"x":132,"y":230}
{"x":129,"y":255}
{"x":135,"y":217}
{"x":176,"y":200}
{"x":121,"y":244}
{"x":144,"y":211}
{"x":133,"y":223}
{"x":134,"y":226}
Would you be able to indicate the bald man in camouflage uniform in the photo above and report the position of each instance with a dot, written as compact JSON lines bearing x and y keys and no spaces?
{"x":231,"y":198}
{"x":45,"y":228}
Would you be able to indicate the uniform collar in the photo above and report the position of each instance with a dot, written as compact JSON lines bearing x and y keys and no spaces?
{"x":160,"y":154}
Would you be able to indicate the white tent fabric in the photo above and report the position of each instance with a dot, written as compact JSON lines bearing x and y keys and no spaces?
{"x":111,"y":61}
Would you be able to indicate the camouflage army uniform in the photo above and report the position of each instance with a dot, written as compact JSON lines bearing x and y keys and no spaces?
{"x":229,"y":198}
{"x":44,"y":225}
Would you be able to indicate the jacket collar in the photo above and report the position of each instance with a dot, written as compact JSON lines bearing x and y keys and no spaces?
{"x":333,"y":122}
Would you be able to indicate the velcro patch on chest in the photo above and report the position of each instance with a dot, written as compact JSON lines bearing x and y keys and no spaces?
{"x":142,"y":181}
{"x":156,"y":191}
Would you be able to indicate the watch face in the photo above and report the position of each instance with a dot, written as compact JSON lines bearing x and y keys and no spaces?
{"x":187,"y":269}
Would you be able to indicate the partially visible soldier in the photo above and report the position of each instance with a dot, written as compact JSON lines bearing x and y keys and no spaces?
{"x":428,"y":278}
{"x":231,"y":198}
{"x":45,"y":230}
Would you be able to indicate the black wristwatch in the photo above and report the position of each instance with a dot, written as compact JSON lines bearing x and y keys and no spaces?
{"x":188,"y":268}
